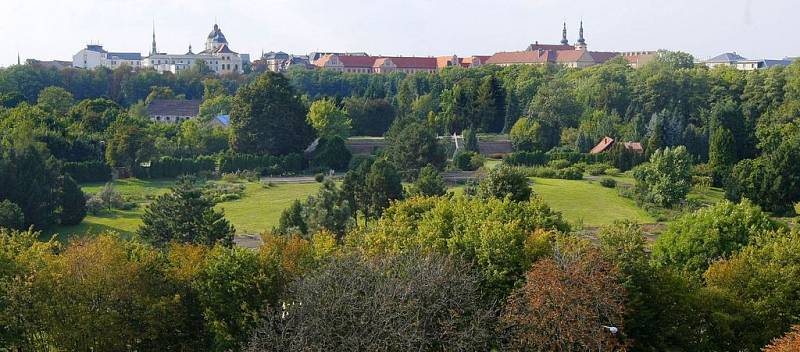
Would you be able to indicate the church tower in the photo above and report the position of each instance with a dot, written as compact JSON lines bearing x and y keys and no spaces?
{"x":564,"y":40}
{"x":153,"y":51}
{"x":581,"y":45}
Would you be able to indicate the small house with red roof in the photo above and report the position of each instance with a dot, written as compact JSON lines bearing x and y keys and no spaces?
{"x":607,"y":142}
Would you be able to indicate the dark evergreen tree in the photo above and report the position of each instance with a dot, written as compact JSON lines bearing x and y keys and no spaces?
{"x":292,"y":220}
{"x":73,"y":202}
{"x":332,"y":153}
{"x":429,"y":183}
{"x":30,"y":179}
{"x":412,"y":145}
{"x":185,"y":215}
{"x":384,"y":185}
{"x":721,"y":154}
{"x":354,"y":187}
{"x":471,"y":141}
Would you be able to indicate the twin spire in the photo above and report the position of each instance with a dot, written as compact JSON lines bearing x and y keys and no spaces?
{"x":153,"y":51}
{"x":581,"y":44}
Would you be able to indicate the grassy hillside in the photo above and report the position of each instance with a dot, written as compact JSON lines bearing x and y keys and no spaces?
{"x":258,"y":210}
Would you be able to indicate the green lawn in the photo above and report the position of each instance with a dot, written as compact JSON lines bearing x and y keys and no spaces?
{"x":258,"y":210}
{"x":588,"y":202}
{"x":261,"y":207}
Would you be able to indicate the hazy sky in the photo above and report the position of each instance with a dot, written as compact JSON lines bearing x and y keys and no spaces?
{"x":56,"y":29}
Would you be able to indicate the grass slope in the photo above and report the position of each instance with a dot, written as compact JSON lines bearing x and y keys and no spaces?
{"x":258,"y":210}
{"x":261,"y":207}
{"x":588,"y":202}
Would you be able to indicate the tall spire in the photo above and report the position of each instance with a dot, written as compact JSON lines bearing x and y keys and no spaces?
{"x":153,"y":51}
{"x":581,"y":44}
{"x":564,"y":39}
{"x":19,"y":62}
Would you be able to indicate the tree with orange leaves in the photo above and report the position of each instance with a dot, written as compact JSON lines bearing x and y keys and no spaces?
{"x":572,"y":302}
{"x":788,"y":343}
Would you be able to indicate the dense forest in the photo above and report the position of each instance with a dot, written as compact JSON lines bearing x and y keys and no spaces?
{"x":389,"y":258}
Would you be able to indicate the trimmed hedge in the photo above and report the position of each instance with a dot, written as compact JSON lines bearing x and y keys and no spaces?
{"x":526,"y":158}
{"x":169,"y":167}
{"x":265,"y":164}
{"x":88,"y":171}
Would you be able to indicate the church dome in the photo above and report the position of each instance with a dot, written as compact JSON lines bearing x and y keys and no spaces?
{"x":216,"y":35}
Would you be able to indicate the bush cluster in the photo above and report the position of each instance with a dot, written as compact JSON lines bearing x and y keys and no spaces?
{"x":534,"y":158}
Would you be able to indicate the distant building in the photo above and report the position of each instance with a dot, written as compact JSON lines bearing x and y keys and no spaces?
{"x":280,"y":62}
{"x":217,"y":55}
{"x":607,"y":142}
{"x":94,"y":56}
{"x":376,"y":64}
{"x":314,"y":56}
{"x":566,"y":54}
{"x":173,"y":110}
{"x":741,"y":63}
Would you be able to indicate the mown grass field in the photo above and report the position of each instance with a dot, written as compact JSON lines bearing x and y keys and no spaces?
{"x":583,"y":202}
{"x":259,"y":209}
{"x":588,"y":203}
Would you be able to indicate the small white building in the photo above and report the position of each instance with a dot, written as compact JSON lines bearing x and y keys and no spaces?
{"x":95,"y":56}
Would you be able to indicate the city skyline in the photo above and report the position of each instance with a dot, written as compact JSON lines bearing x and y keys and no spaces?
{"x":420,"y":27}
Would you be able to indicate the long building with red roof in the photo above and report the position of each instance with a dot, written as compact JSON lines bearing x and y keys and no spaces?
{"x":565,"y":54}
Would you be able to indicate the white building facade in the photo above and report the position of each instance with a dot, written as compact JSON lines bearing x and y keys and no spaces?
{"x":217,"y":56}
{"x":95,"y":56}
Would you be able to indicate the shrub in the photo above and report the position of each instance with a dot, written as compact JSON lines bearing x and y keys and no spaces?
{"x":570,"y":173}
{"x":467,"y":161}
{"x":505,"y":181}
{"x":608,"y":182}
{"x":526,"y":158}
{"x":612,"y":171}
{"x":596,"y":169}
{"x":559,"y":164}
{"x":319,"y":177}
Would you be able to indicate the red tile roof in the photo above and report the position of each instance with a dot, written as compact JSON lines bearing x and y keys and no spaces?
{"x":634,"y":146}
{"x":357,"y":61}
{"x":522,"y":57}
{"x":602,"y":56}
{"x":411,"y":62}
{"x":604,"y":145}
{"x":537,"y":46}
{"x":573,"y":55}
